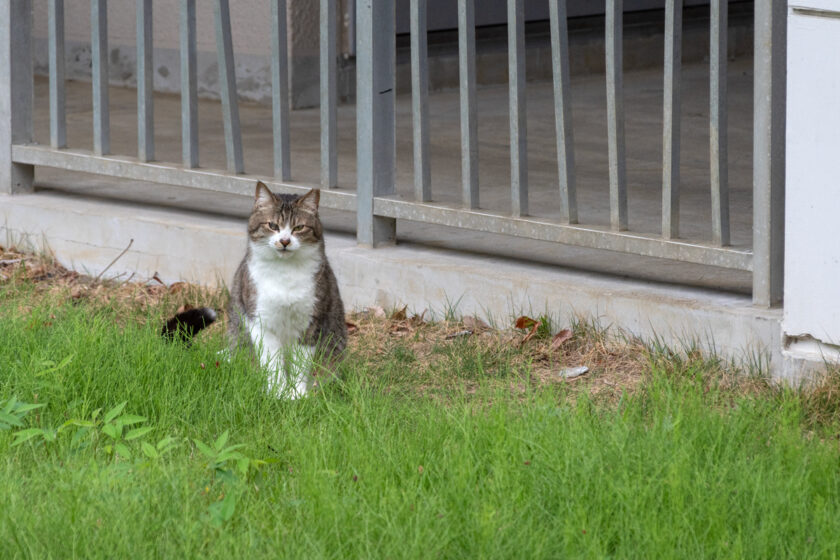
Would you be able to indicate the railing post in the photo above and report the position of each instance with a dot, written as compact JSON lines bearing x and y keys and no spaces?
{"x":769,"y":151}
{"x":329,"y":94}
{"x":15,"y":93}
{"x":375,"y":142}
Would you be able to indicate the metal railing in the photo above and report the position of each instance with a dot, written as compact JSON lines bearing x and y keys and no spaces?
{"x":375,"y":207}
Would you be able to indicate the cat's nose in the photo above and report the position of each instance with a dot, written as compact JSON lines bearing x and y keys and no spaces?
{"x":285,"y":241}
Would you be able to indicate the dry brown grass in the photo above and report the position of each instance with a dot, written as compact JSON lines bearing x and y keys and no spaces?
{"x":431,"y":356}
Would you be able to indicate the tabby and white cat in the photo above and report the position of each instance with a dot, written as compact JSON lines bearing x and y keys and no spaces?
{"x":285,"y":305}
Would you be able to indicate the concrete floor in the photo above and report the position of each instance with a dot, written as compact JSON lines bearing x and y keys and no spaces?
{"x":643,"y":105}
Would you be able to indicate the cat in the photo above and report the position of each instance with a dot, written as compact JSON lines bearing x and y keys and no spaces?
{"x":285,"y":307}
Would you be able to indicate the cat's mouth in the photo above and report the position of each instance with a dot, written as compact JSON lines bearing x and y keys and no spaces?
{"x":283,"y":252}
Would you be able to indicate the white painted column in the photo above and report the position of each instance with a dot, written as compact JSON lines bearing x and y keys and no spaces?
{"x":812,"y":222}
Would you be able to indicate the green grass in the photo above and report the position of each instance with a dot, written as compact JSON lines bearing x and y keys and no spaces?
{"x":679,"y":468}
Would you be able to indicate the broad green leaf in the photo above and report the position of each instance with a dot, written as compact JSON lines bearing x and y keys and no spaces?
{"x":122,"y":450}
{"x":228,"y":506}
{"x":10,"y":419}
{"x":114,"y":412}
{"x":226,"y":476}
{"x":149,"y":450}
{"x":138,"y":432}
{"x":111,"y":431}
{"x":205,"y":449}
{"x":166,"y":442}
{"x":26,"y":435}
{"x":77,"y":437}
{"x":243,"y":464}
{"x":26,"y":407}
{"x":9,"y":404}
{"x":228,"y":455}
{"x":128,"y":419}
{"x":221,"y":440}
{"x":52,"y":367}
{"x":77,"y":422}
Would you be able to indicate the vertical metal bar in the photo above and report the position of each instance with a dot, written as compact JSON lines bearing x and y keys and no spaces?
{"x":420,"y":101}
{"x":58,"y":118}
{"x":769,"y":152}
{"x":16,"y":93}
{"x":469,"y":121}
{"x":718,"y":135}
{"x":189,"y":89}
{"x":375,"y":140}
{"x":99,"y":59}
{"x":280,"y":90}
{"x":518,"y":122}
{"x":329,"y":90}
{"x":615,"y":115}
{"x":227,"y":81}
{"x":563,"y":110}
{"x":145,"y":81}
{"x":671,"y":121}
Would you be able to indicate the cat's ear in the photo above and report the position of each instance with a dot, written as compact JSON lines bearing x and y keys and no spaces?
{"x":310,"y":201}
{"x":263,"y":196}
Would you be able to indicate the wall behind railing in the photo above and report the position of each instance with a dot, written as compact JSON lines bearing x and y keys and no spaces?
{"x":251,"y":41}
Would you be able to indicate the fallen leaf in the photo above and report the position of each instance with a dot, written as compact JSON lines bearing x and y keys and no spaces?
{"x":475,"y":324}
{"x":157,"y":279}
{"x":376,"y":311}
{"x":400,"y":329}
{"x":352,"y":328}
{"x":524,"y":322}
{"x":184,"y":308}
{"x":176,"y":287}
{"x":36,"y":271}
{"x":572,"y":372}
{"x":531,"y":333}
{"x":560,"y":338}
{"x":418,"y":319}
{"x":400,"y":314}
{"x":420,"y":469}
{"x":458,"y":334}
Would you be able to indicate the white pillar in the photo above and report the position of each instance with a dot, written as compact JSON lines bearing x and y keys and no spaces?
{"x":812,"y":221}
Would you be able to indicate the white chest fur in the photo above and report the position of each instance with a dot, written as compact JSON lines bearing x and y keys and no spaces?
{"x":285,"y":300}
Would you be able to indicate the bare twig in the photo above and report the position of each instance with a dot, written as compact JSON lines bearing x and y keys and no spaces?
{"x":124,"y":251}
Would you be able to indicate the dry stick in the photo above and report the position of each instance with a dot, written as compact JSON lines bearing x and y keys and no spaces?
{"x":124,"y":251}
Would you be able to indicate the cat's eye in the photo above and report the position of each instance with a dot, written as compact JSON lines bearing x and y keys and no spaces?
{"x":273,"y":226}
{"x":299,"y":228}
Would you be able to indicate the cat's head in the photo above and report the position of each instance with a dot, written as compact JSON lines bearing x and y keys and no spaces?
{"x":285,"y":224}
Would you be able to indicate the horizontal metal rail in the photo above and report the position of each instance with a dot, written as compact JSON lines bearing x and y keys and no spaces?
{"x":125,"y":167}
{"x":220,"y":181}
{"x":590,"y":236}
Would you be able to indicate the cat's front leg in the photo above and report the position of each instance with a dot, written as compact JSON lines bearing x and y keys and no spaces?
{"x":301,"y":363}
